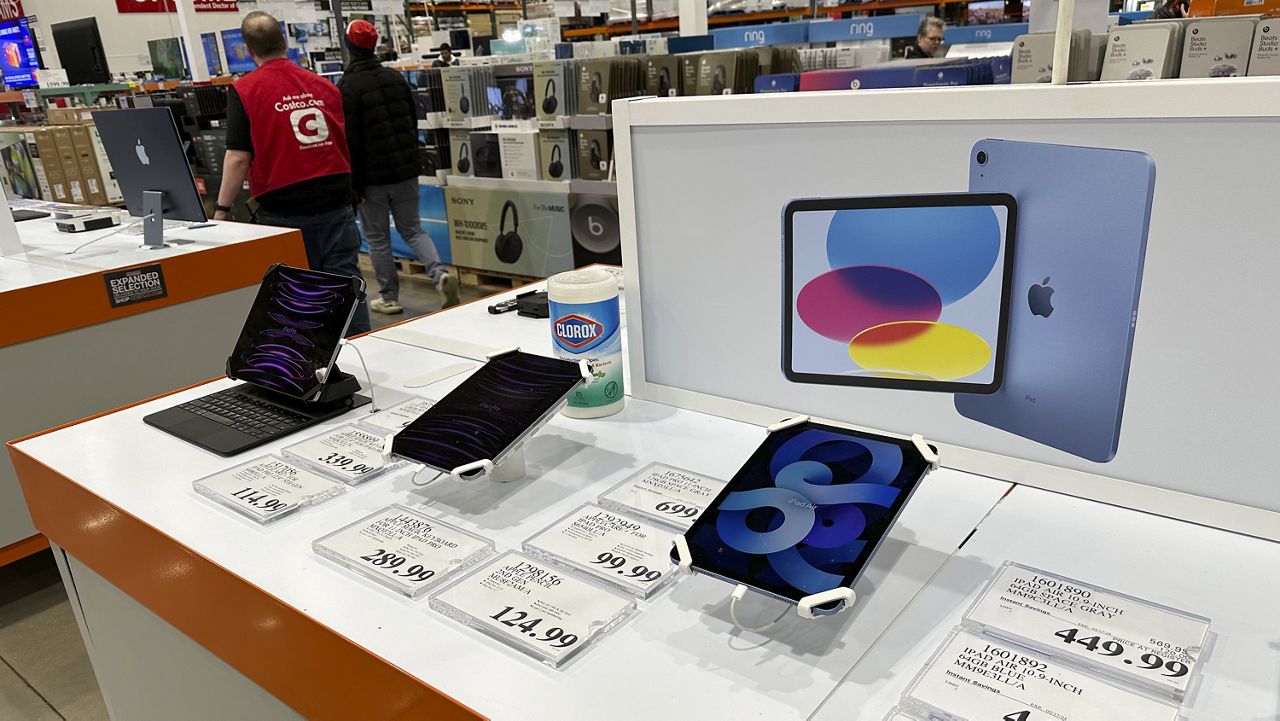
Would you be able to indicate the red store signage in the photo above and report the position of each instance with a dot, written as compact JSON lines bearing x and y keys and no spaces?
{"x":11,"y":9}
{"x":166,"y":6}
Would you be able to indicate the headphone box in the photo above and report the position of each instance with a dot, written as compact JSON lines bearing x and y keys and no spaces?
{"x":486,"y":154}
{"x":594,"y":152}
{"x":716,"y":73}
{"x":689,"y":74}
{"x":593,"y":86}
{"x":1217,"y":47}
{"x":457,"y":88}
{"x":556,"y":154}
{"x":1265,"y":58}
{"x":521,"y":159}
{"x":550,"y":87}
{"x":460,"y":152}
{"x":514,"y":85}
{"x":662,"y":76}
{"x":1142,"y":51}
{"x":1032,"y":58}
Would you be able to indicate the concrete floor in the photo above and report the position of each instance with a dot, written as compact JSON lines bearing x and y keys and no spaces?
{"x":45,"y":673}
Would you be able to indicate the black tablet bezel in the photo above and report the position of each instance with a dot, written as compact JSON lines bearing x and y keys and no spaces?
{"x":899,"y":201}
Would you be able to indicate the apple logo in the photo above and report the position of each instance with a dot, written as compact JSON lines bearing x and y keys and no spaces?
{"x":1040,"y":298}
{"x":142,"y":153}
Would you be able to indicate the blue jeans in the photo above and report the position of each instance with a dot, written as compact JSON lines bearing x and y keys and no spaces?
{"x":400,"y":201}
{"x":333,"y":245}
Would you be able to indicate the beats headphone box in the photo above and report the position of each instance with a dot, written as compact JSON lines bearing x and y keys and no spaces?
{"x":662,"y":76}
{"x":594,"y":152}
{"x":1217,"y":47}
{"x":1265,"y":58}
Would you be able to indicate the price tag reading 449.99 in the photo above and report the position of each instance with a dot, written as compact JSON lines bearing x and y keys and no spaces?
{"x":351,"y":454}
{"x":1140,"y":641}
{"x":267,"y":488}
{"x":403,"y":549}
{"x":534,"y":607}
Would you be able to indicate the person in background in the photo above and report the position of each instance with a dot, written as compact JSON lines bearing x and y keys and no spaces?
{"x":446,"y":57}
{"x":382,"y":135}
{"x":1170,"y":9}
{"x":286,"y":134}
{"x":928,"y":39}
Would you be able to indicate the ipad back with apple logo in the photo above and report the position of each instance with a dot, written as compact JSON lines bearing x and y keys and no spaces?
{"x":1083,"y":215}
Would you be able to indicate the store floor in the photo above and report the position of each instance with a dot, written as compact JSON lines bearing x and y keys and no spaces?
{"x":45,"y":673}
{"x":44,"y":670}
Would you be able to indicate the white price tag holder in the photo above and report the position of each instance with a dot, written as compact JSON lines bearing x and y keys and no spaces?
{"x":395,"y":418}
{"x":978,"y":677}
{"x":665,"y":494}
{"x":534,"y":607}
{"x":1134,"y":641}
{"x":618,"y":550}
{"x":267,"y":489}
{"x":352,"y":455}
{"x":403,"y":550}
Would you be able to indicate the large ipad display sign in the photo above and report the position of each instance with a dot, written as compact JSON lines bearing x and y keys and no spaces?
{"x":898,"y":292}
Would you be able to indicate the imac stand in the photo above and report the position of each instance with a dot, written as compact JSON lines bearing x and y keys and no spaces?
{"x":153,"y":221}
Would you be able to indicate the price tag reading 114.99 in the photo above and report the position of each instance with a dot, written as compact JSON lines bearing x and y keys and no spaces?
{"x":534,"y":607}
{"x":267,"y":488}
{"x":351,"y":454}
{"x":1153,"y":645}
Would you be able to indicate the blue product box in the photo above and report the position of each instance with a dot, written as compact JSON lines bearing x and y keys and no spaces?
{"x":777,"y":83}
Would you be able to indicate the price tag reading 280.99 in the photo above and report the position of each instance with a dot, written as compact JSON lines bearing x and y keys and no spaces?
{"x":532,"y":606}
{"x":348,"y":453}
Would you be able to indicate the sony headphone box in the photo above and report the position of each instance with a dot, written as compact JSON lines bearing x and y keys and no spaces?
{"x":517,"y":232}
{"x":1265,"y":58}
{"x":557,"y":155}
{"x":521,"y":159}
{"x":552,"y":89}
{"x":1217,"y":47}
{"x":486,"y":154}
{"x":514,"y":85}
{"x":457,"y":87}
{"x":460,"y":152}
{"x":593,"y":154}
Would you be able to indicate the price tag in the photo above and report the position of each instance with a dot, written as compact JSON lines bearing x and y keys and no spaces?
{"x":533,"y":607}
{"x":403,"y":549}
{"x":348,"y":453}
{"x":621,"y":551}
{"x":267,"y":488}
{"x":976,"y":677}
{"x":665,"y":493}
{"x":1135,"y":639}
{"x":397,"y":417}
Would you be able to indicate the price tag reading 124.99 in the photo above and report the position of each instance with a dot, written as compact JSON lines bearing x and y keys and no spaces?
{"x":267,"y":488}
{"x":616,"y":549}
{"x":1140,"y":641}
{"x":534,"y":607}
{"x":351,"y":454}
{"x":665,"y":493}
{"x":403,"y":549}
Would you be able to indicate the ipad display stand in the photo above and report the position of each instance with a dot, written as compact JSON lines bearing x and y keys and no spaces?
{"x":338,"y":388}
{"x":810,"y":606}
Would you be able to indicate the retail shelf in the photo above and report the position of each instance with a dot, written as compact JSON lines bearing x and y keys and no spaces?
{"x":13,"y":96}
{"x":624,"y":28}
{"x":593,"y":187}
{"x":522,"y":186}
{"x":88,"y":94}
{"x":591,"y":122}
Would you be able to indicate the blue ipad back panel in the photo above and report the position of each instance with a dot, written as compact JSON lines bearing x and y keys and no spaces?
{"x":1083,"y":215}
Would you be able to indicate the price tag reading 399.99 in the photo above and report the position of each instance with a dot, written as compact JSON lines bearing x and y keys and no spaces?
{"x":351,"y":454}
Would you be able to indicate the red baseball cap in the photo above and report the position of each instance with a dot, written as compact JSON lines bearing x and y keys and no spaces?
{"x":362,"y":34}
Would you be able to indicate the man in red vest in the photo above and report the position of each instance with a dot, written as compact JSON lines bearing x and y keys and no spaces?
{"x":285,"y":133}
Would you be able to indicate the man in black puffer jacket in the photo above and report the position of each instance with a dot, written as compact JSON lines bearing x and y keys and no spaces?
{"x":382,"y":134}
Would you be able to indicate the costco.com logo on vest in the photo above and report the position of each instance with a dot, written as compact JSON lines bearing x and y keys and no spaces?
{"x":309,"y":126}
{"x":576,"y":331}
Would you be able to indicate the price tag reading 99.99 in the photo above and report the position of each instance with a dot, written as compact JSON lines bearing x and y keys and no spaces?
{"x":613,"y":547}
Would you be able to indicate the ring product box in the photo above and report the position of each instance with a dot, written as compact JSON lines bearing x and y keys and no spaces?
{"x":595,"y":149}
{"x":486,"y":154}
{"x":617,"y":550}
{"x":403,"y":550}
{"x":975,"y":677}
{"x":1142,"y":51}
{"x":267,"y":489}
{"x":348,"y":453}
{"x":391,"y":420}
{"x":460,"y":152}
{"x":534,"y":607}
{"x":1131,"y":640}
{"x":1264,"y":59}
{"x":520,"y":156}
{"x":556,"y":155}
{"x":1217,"y":48}
{"x":663,"y":493}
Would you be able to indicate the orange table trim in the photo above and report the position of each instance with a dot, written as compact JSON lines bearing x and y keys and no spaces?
{"x":81,"y":301}
{"x":314,"y":670}
{"x":21,"y":549}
